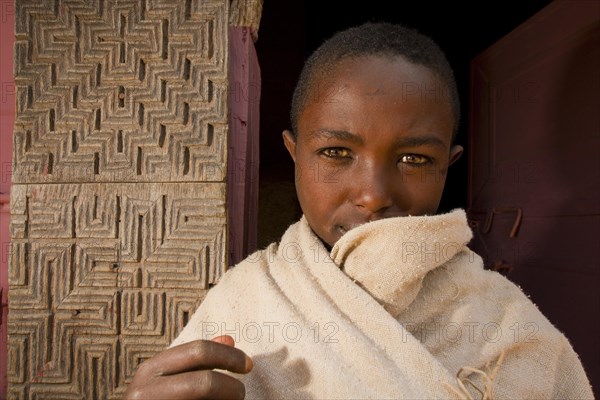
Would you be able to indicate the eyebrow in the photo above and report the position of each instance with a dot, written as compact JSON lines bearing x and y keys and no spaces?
{"x":335,"y":134}
{"x":417,"y":141}
{"x":411,"y":141}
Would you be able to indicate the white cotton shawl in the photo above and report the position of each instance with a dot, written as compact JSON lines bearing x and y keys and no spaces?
{"x":395,"y":310}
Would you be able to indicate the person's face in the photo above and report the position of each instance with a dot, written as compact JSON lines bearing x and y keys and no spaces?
{"x":374,"y":142}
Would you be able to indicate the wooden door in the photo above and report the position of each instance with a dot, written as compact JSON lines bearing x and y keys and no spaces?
{"x":534,"y":166}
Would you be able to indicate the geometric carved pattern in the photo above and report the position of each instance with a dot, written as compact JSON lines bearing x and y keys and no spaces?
{"x":103,"y":276}
{"x":112,"y":91}
{"x":118,"y":221}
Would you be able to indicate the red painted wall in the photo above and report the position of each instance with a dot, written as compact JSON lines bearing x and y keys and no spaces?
{"x":7,"y":111}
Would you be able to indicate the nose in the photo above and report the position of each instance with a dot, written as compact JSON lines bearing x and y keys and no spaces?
{"x":374,"y":190}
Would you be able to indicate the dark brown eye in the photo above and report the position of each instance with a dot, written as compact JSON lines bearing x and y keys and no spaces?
{"x":414,"y":159}
{"x":336,"y":152}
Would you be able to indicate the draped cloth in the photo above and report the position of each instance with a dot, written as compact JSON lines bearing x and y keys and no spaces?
{"x":399,"y":308}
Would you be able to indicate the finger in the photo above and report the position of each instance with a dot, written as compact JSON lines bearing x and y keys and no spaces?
{"x":204,"y":384}
{"x":224,"y":339}
{"x":196,"y":355}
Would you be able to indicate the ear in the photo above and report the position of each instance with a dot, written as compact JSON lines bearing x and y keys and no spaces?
{"x":455,"y":153}
{"x":290,"y":143}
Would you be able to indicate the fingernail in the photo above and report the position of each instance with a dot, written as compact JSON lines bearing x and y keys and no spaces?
{"x":249,"y":364}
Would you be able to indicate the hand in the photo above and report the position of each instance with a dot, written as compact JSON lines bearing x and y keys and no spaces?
{"x":186,"y":372}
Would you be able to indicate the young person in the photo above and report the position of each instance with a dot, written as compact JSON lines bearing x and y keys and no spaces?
{"x":370,"y":294}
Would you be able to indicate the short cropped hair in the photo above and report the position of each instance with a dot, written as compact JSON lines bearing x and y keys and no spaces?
{"x":373,"y":39}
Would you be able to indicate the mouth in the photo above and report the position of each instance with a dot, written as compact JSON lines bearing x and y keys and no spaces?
{"x":343,"y":229}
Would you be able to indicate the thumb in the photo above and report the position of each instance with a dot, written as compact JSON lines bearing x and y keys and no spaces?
{"x":224,"y":339}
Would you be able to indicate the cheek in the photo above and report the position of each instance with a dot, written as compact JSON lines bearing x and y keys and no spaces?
{"x":316,"y":187}
{"x":428,"y":176}
{"x":320,"y":191}
{"x":425,"y":187}
{"x":315,"y":171}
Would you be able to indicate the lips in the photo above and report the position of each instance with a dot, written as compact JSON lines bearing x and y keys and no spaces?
{"x":343,"y":229}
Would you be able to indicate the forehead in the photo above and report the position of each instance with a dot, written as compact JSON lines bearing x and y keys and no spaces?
{"x":378,"y":92}
{"x":376,"y":69}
